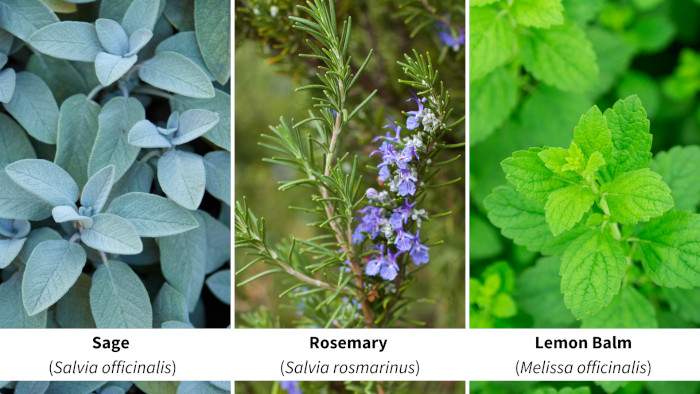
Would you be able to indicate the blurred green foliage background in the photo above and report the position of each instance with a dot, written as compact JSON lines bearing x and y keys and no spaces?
{"x":268,"y":69}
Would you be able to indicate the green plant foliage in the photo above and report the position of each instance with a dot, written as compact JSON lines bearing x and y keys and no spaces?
{"x":584,"y":134}
{"x":347,"y":265}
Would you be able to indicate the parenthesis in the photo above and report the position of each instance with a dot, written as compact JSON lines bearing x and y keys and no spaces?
{"x":173,"y":367}
{"x":649,"y":363}
{"x":282,"y":367}
{"x":516,"y":367}
{"x":417,"y":368}
{"x":50,"y":369}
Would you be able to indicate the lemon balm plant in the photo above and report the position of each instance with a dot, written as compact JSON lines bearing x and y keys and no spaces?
{"x":356,"y":269}
{"x":607,"y":216}
{"x":114,"y":164}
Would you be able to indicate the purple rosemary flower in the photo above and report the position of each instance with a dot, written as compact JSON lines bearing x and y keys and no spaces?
{"x":414,"y":120}
{"x":372,"y":194}
{"x":370,"y":223}
{"x":419,"y":252}
{"x":376,"y":261}
{"x":404,"y":210}
{"x":453,"y":38}
{"x":384,"y":174}
{"x":396,"y":221}
{"x":389,"y":268}
{"x":403,"y":241}
{"x":406,"y":185}
{"x":397,"y":130}
{"x":291,"y":386}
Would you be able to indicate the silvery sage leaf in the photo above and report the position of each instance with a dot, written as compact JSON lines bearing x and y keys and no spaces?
{"x":60,"y":387}
{"x":218,"y":242}
{"x":220,"y":285}
{"x":9,"y":249}
{"x":183,"y":261}
{"x":97,"y":189}
{"x":77,"y":129}
{"x":118,"y":298}
{"x":12,"y":313}
{"x":176,"y":324}
{"x":14,"y":142}
{"x":66,"y":213}
{"x":34,"y":107}
{"x":194,"y":123}
{"x":68,"y":40}
{"x":144,"y":134}
{"x":62,"y":76}
{"x":138,"y":40}
{"x":7,"y":85}
{"x":73,"y":309}
{"x":139,"y":178}
{"x":211,"y":20}
{"x":35,"y":238}
{"x":110,"y":67}
{"x":20,"y":228}
{"x":112,"y":234}
{"x":141,"y":14}
{"x":24,"y":17}
{"x":45,"y":180}
{"x":218,"y":167}
{"x":199,"y":387}
{"x":3,"y":59}
{"x":172,"y":124}
{"x":182,"y":177}
{"x":31,"y":387}
{"x":220,"y":135}
{"x":17,"y":203}
{"x":52,"y":269}
{"x":185,"y":43}
{"x":152,"y":215}
{"x":111,"y":145}
{"x":7,"y":228}
{"x":112,"y":36}
{"x":6,"y":41}
{"x":176,"y":73}
{"x":222,"y":384}
{"x":169,"y":305}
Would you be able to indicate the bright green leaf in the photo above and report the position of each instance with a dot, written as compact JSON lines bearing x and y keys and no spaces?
{"x":538,"y":13}
{"x":592,"y":269}
{"x":492,"y":41}
{"x":636,"y":196}
{"x":670,"y":247}
{"x":565,"y":207}
{"x":629,"y":309}
{"x":491,"y":100}
{"x":561,"y":56}
{"x":679,"y":168}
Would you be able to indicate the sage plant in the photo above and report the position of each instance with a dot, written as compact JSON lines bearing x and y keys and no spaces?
{"x":87,"y":239}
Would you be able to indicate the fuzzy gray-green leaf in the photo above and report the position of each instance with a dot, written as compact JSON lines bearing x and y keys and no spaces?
{"x":34,"y":107}
{"x":152,"y":215}
{"x":52,"y":269}
{"x":174,"y":72}
{"x":111,"y":144}
{"x":182,"y":177}
{"x":212,"y":26}
{"x":118,"y":298}
{"x":77,"y":130}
